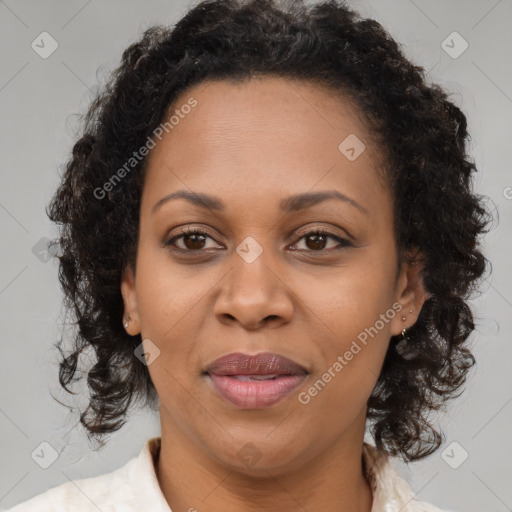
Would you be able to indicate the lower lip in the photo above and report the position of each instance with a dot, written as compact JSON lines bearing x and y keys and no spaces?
{"x":255,"y":394}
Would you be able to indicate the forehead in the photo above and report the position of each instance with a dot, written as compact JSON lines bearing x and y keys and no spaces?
{"x":266,"y":134}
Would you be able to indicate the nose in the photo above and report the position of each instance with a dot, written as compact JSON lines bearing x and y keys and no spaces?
{"x":254,"y":295}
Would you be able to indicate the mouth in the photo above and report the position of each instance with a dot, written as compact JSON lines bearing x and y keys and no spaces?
{"x":255,"y":382}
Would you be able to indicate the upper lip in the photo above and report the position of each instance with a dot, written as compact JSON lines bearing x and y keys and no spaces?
{"x":265,"y":363}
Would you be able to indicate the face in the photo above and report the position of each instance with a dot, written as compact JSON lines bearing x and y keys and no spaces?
{"x":274,"y":264}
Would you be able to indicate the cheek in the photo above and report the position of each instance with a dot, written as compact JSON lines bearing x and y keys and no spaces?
{"x":168,"y":304}
{"x":167,"y":293}
{"x":352,"y":311}
{"x":351,"y":353}
{"x":350,"y":302}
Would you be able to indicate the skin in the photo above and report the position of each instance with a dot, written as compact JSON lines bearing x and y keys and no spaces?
{"x":253,"y":144}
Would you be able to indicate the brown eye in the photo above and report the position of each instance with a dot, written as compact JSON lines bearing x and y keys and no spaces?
{"x":191,"y":240}
{"x":317,"y":241}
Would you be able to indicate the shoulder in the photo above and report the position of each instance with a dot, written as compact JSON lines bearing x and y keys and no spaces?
{"x":114,"y":491}
{"x":390,"y":491}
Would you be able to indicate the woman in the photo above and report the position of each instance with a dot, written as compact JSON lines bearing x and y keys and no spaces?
{"x":269,"y":233}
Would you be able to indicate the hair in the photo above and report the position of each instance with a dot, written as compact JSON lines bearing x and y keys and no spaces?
{"x":422,"y":134}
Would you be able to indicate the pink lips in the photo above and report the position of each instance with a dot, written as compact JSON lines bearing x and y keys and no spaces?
{"x":254,"y":382}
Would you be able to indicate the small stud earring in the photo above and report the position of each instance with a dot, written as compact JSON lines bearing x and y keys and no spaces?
{"x":403,"y":333}
{"x":403,"y":319}
{"x":410,"y":310}
{"x":126,"y":323}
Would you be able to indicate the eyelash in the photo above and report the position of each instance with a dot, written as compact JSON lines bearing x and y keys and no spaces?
{"x":317,"y":231}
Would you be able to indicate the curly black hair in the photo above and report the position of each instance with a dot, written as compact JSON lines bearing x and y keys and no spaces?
{"x":422,"y":134}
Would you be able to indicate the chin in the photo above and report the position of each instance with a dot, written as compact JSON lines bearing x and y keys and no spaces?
{"x":259,"y":455}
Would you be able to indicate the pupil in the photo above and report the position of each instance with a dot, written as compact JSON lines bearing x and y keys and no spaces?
{"x":195,"y":239}
{"x":319,"y":240}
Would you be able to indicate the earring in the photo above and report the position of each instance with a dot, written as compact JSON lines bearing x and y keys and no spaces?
{"x":126,"y":323}
{"x":403,"y":333}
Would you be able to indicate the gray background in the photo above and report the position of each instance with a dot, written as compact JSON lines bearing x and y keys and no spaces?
{"x":39,"y":99}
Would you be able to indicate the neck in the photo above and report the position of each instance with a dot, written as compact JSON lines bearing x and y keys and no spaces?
{"x":192,"y":480}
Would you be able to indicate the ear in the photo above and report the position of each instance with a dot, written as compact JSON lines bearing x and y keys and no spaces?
{"x":410,"y":293}
{"x":131,"y":314}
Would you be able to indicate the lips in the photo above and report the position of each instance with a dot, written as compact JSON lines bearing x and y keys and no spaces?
{"x":254,"y":382}
{"x":263,"y":365}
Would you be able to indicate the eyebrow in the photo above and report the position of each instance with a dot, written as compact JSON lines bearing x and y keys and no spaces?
{"x":290,"y":204}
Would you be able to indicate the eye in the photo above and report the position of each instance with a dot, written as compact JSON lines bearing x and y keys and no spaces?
{"x":193,"y":239}
{"x":316,"y":240}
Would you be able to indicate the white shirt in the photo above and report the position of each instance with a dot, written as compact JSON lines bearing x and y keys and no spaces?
{"x":134,"y":487}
